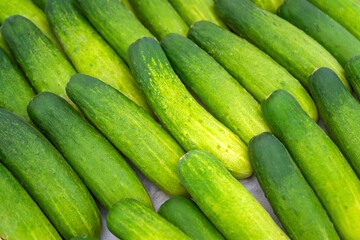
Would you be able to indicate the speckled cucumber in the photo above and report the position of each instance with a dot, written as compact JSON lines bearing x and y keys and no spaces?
{"x":190,"y":124}
{"x":320,"y":161}
{"x":269,"y":5}
{"x":352,"y":70}
{"x":46,"y":176}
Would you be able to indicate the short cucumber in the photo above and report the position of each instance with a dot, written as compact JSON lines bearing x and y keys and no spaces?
{"x":320,"y":161}
{"x":190,"y":124}
{"x":227,"y":203}
{"x":290,"y":196}
{"x":183,"y":213}
{"x":269,"y":5}
{"x":352,"y":70}
{"x":130,"y":220}
{"x":226,"y":99}
{"x":46,"y":176}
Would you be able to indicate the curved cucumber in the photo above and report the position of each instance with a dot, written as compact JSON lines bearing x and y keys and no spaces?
{"x":291,"y":197}
{"x":352,"y":70}
{"x":190,"y":124}
{"x":269,"y":5}
{"x":227,"y":203}
{"x":94,"y":159}
{"x":153,"y":151}
{"x":46,"y":176}
{"x":226,"y":99}
{"x":319,"y":160}
{"x":183,"y":213}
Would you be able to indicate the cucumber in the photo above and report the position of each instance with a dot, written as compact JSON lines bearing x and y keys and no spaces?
{"x":129,"y":219}
{"x":101,"y":167}
{"x":320,"y":161}
{"x":5,"y":48}
{"x":254,"y":69}
{"x":352,"y":70}
{"x":322,"y":28}
{"x":138,"y":136}
{"x":16,"y":92}
{"x":269,"y":5}
{"x":84,"y":238}
{"x":40,"y":3}
{"x":226,"y":99}
{"x":89,"y":53}
{"x":43,"y":64}
{"x":46,"y":176}
{"x":20,"y":217}
{"x":285,"y":43}
{"x":190,"y":124}
{"x":126,"y":4}
{"x":183,"y":213}
{"x":159,"y":17}
{"x":227,"y":203}
{"x":290,"y":196}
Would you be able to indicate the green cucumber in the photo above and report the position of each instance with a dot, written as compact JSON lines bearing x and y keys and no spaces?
{"x":85,"y":238}
{"x":269,"y":5}
{"x":138,"y":136}
{"x":20,"y":217}
{"x":183,"y":213}
{"x":40,"y":3}
{"x":101,"y":167}
{"x":5,"y":48}
{"x":226,"y":99}
{"x":254,"y":69}
{"x":227,"y":203}
{"x":285,"y":43}
{"x":43,"y":64}
{"x":126,"y":4}
{"x":130,"y":220}
{"x":16,"y":92}
{"x":290,"y":196}
{"x":46,"y":176}
{"x":320,"y":161}
{"x":159,"y":17}
{"x":352,"y":70}
{"x":322,"y":28}
{"x":190,"y":124}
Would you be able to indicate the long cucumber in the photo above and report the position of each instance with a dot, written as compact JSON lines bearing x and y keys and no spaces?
{"x":352,"y":70}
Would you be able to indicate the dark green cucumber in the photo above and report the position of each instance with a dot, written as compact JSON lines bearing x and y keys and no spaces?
{"x":16,"y":92}
{"x":40,"y":3}
{"x":334,"y":37}
{"x":4,"y":47}
{"x":226,"y":99}
{"x":320,"y":161}
{"x":159,"y":17}
{"x":190,"y":124}
{"x":20,"y":217}
{"x":227,"y":203}
{"x":352,"y":70}
{"x":288,"y":45}
{"x":129,"y":220}
{"x":153,"y":151}
{"x":46,"y":176}
{"x":290,"y":196}
{"x":269,"y":5}
{"x":101,"y":167}
{"x":253,"y":68}
{"x":183,"y":213}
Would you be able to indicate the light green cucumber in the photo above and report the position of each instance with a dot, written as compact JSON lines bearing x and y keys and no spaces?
{"x":352,"y":70}
{"x":269,"y":5}
{"x":127,"y":5}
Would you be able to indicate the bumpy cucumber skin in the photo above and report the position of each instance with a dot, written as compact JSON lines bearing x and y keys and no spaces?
{"x":226,"y":99}
{"x":290,"y":196}
{"x":20,"y":217}
{"x":190,"y":124}
{"x":159,"y":17}
{"x":269,"y":5}
{"x":227,"y":203}
{"x":320,"y":161}
{"x":285,"y":43}
{"x":138,"y":136}
{"x":250,"y":66}
{"x":131,"y":220}
{"x":352,"y":70}
{"x":183,"y":213}
{"x":101,"y":167}
{"x":46,"y":176}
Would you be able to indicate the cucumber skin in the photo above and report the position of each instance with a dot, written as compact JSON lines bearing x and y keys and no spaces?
{"x":352,"y":70}
{"x":319,"y":160}
{"x":20,"y":217}
{"x":16,"y":92}
{"x":285,"y":43}
{"x":40,"y":3}
{"x":269,"y":5}
{"x":250,"y":66}
{"x":101,"y":167}
{"x":190,"y":124}
{"x":291,"y":197}
{"x":208,"y":182}
{"x":85,"y":238}
{"x":5,"y":48}
{"x":322,"y":28}
{"x":131,"y":130}
{"x":46,"y":176}
{"x":131,"y":220}
{"x":226,"y":99}
{"x":184,"y":214}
